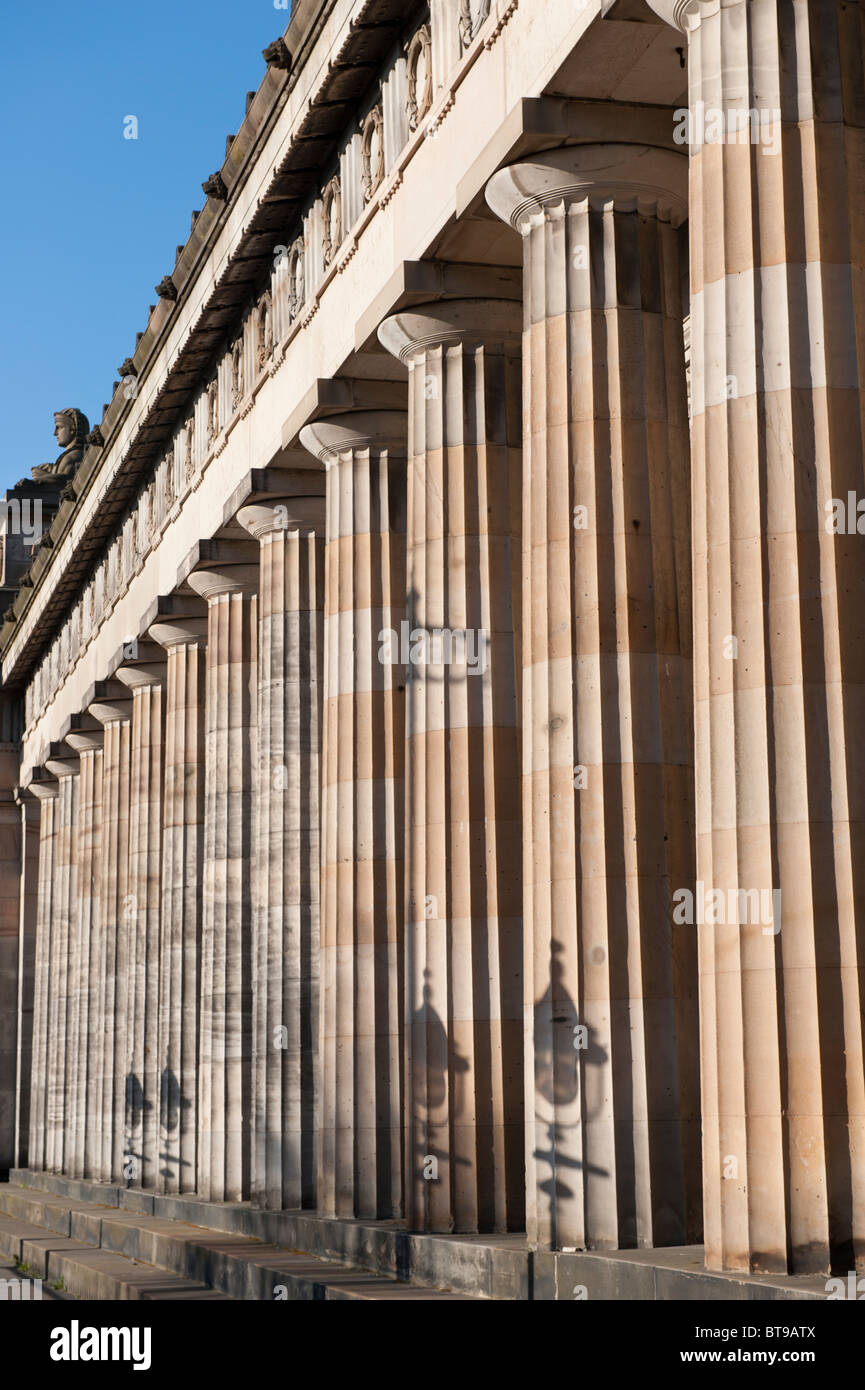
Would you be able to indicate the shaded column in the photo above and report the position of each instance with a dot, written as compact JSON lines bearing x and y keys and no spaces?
{"x":286,"y":864}
{"x":144,"y":675}
{"x":777,"y":109}
{"x":184,"y":639}
{"x":464,"y":1114}
{"x":360,"y":1160}
{"x":12,"y":965}
{"x":29,"y":830}
{"x":610,"y":980}
{"x":46,"y":793}
{"x":111,"y":705}
{"x":84,"y":1124}
{"x":225,"y":1053}
{"x":61,"y":1006}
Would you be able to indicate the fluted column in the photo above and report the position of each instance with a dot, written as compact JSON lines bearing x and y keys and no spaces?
{"x":610,"y":982}
{"x":61,"y":1006}
{"x":777,"y":104}
{"x":225,"y":1047}
{"x":286,"y":866}
{"x":43,"y":981}
{"x":112,"y":707}
{"x":84,"y":1124}
{"x":184,"y":639}
{"x":145,"y":678}
{"x":30,"y":816}
{"x":464,"y":1113}
{"x":360,"y":1163}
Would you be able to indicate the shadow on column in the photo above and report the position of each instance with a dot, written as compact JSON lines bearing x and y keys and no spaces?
{"x":171,"y":1103}
{"x":557,"y":1080}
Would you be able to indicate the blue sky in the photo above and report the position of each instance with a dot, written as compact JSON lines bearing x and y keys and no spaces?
{"x":91,"y":220}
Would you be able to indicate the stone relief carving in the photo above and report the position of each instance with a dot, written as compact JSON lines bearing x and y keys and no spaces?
{"x":372,"y":152}
{"x":170,"y":479}
{"x":212,"y":413}
{"x":472,"y":16}
{"x":332,"y":217}
{"x":296,"y":288}
{"x":419,"y":77}
{"x":264,"y":330}
{"x":190,"y":449}
{"x":237,"y":383}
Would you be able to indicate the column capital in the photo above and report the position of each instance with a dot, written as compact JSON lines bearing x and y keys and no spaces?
{"x":635,"y":178}
{"x":282,"y":515}
{"x":109,"y":701}
{"x":449,"y":322}
{"x":42,"y":785}
{"x":85,"y":734}
{"x":62,"y":761}
{"x":228,"y":579}
{"x":358,"y":430}
{"x":141,"y":677}
{"x":143,"y":665}
{"x":675,"y":12}
{"x":179,"y":632}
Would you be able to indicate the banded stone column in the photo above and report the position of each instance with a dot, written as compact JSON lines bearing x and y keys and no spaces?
{"x":777,"y":107}
{"x":85,"y":1123}
{"x":360,"y":1160}
{"x":30,"y":817}
{"x":184,"y":639}
{"x":610,"y":980}
{"x":286,"y":866}
{"x":464,"y":1070}
{"x":46,"y":793}
{"x":62,"y":1060}
{"x":112,"y":707}
{"x":144,"y":675}
{"x":225,"y":1049}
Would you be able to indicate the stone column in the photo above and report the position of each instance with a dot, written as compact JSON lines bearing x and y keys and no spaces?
{"x":225,"y":1066}
{"x":144,"y":675}
{"x":610,"y":982}
{"x":464,"y":1073}
{"x":29,"y":831}
{"x":46,"y":793}
{"x":62,"y":1059}
{"x":112,"y":707}
{"x":184,"y":639}
{"x":12,"y":965}
{"x":84,"y":1125}
{"x":286,"y":864}
{"x":777,"y":105}
{"x":360,"y":1164}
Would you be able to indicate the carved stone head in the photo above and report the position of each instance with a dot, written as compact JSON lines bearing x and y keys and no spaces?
{"x":70,"y":427}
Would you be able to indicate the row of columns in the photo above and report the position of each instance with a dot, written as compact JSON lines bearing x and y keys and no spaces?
{"x":368,"y":890}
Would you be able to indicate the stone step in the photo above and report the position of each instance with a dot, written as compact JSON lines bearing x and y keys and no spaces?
{"x":95,"y":1248}
{"x":74,"y":1269}
{"x":489,"y":1266}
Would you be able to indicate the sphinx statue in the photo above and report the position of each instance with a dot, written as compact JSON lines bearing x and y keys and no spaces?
{"x":70,"y":430}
